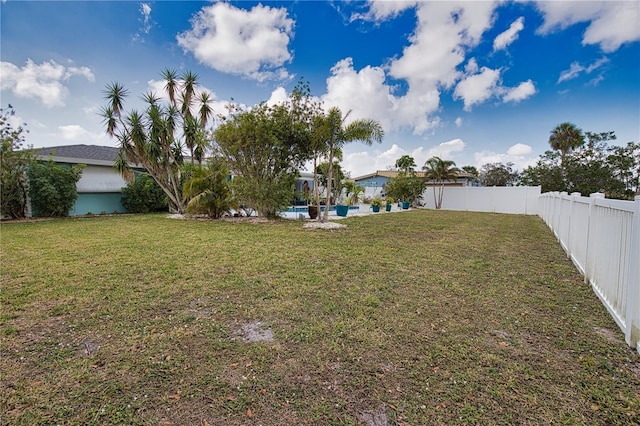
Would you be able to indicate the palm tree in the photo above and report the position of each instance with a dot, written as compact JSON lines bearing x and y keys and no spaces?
{"x":564,"y":138}
{"x":336,"y":134}
{"x":439,"y":171}
{"x":209,"y":191}
{"x":354,"y":191}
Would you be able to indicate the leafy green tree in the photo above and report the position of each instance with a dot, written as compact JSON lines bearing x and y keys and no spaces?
{"x":564,"y":138}
{"x":498,"y":174}
{"x":209,"y":190}
{"x":625,"y":163}
{"x":14,"y":163}
{"x":332,"y":129}
{"x":406,"y":186}
{"x":52,"y":188}
{"x":586,"y":170}
{"x":547,"y":173}
{"x":472,"y":170}
{"x":154,"y":137}
{"x":144,"y":195}
{"x":265,"y":147}
{"x":439,"y":171}
{"x":406,"y":163}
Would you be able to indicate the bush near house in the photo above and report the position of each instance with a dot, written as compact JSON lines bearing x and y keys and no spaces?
{"x":52,"y":188}
{"x":14,"y":162}
{"x":144,"y":195}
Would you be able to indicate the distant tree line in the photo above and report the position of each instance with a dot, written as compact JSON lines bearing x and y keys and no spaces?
{"x":577,"y":162}
{"x":586,"y":163}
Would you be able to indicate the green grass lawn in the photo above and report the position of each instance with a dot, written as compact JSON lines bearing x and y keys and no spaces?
{"x":413,"y":318}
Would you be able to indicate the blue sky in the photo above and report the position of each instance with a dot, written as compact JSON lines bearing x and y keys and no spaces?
{"x":473,"y":82}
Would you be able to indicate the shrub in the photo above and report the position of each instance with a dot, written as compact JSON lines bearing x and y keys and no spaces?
{"x":52,"y":188}
{"x":209,"y":190}
{"x":14,"y":163}
{"x":144,"y":195}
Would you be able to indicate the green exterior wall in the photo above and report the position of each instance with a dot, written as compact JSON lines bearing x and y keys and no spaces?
{"x":96,"y":203}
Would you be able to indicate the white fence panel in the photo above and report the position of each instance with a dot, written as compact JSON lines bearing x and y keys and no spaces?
{"x":602,"y":237}
{"x":503,"y":199}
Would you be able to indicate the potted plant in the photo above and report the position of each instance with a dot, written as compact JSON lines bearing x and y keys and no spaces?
{"x":376,"y":202}
{"x":313,"y":211}
{"x":342,"y":210}
{"x":312,"y":208}
{"x":390,"y":202}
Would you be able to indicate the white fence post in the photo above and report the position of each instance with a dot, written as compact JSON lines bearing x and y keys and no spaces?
{"x":592,"y":238}
{"x":633,"y":301}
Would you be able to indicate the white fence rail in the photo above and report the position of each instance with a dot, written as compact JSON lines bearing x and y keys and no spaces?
{"x":602,"y":238}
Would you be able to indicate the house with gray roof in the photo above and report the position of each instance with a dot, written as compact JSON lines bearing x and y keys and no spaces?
{"x":100,"y":186}
{"x":374,"y":183}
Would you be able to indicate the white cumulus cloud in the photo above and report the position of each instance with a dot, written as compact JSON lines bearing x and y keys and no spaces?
{"x":382,"y":10}
{"x":252,"y":43}
{"x":278,"y":96}
{"x":73,"y":132}
{"x":444,"y":32}
{"x":519,"y":149}
{"x":519,"y":93}
{"x":45,"y":82}
{"x":445,"y":150}
{"x":510,"y":35}
{"x":477,"y":88}
{"x":364,"y":92}
{"x":610,"y":23}
{"x":519,"y":154}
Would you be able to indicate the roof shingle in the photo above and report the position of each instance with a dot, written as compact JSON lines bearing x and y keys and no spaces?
{"x":80,"y":152}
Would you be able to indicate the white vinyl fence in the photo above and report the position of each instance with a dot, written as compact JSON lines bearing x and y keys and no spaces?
{"x":492,"y":199}
{"x":602,"y":238}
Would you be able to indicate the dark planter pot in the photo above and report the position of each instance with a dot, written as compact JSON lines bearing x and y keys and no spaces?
{"x":388,"y":207}
{"x":376,"y":209}
{"x":313,"y":212}
{"x":405,"y":205}
{"x":342,"y":210}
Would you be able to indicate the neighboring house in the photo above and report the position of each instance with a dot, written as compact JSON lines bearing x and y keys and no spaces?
{"x":100,"y":186}
{"x":374,"y":183}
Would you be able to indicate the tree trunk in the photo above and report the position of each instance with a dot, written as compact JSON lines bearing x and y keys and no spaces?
{"x":325,"y":217}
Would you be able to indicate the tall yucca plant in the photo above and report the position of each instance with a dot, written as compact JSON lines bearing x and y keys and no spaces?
{"x":152,"y":139}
